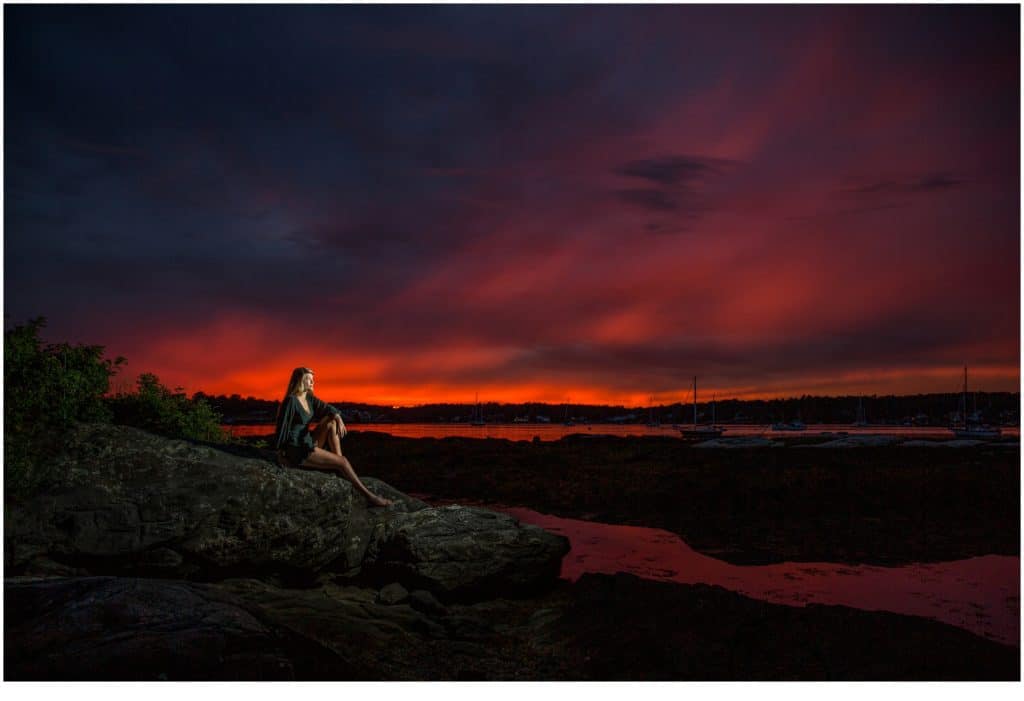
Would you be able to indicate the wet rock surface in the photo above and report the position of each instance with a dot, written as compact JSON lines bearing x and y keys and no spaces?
{"x":130,"y":628}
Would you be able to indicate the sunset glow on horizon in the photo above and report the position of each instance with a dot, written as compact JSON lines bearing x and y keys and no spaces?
{"x":579,"y":204}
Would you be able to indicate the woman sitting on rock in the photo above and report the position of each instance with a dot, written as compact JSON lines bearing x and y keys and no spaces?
{"x":297,"y":447}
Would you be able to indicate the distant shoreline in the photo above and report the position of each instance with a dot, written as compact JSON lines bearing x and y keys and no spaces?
{"x":995,"y":408}
{"x":531,"y":431}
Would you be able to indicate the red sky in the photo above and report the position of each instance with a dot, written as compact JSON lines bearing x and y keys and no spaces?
{"x":536,"y":204}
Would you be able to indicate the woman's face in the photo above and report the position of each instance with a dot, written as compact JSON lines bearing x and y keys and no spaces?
{"x":307,"y":383}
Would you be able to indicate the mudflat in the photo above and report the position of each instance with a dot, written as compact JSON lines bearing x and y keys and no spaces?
{"x":875,"y":505}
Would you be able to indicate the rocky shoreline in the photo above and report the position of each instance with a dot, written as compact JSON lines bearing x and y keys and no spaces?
{"x":600,"y":628}
{"x":157,"y":559}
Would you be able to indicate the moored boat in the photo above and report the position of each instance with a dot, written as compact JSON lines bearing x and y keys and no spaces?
{"x":796,"y":425}
{"x":477,"y":419}
{"x":701,"y":432}
{"x":972,"y":427}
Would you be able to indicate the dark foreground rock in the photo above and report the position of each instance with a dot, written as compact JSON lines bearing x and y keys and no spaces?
{"x":457,"y":551}
{"x":139,"y":630}
{"x":601,"y":628}
{"x":132,"y":503}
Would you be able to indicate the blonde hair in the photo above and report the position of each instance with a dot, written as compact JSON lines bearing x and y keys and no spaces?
{"x":293,"y":383}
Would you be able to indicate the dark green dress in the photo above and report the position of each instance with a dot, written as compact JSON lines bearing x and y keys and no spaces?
{"x":294,"y":441}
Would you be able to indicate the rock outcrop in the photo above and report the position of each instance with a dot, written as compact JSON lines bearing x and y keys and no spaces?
{"x":144,"y":629}
{"x":133,"y":503}
{"x":461,"y":552}
{"x":86,"y":628}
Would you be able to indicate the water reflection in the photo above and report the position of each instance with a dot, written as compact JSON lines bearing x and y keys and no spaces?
{"x":980,"y":594}
{"x":553,"y":432}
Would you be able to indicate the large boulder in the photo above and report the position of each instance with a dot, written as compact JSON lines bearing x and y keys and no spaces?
{"x":130,"y":502}
{"x":465,"y":552}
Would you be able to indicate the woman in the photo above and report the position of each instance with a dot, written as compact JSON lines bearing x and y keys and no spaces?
{"x":297,"y":447}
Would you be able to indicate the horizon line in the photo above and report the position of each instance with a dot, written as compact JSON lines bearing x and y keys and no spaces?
{"x":624,"y":406}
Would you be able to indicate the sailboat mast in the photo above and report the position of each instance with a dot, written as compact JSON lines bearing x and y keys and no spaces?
{"x":695,"y":401}
{"x":965,"y":396}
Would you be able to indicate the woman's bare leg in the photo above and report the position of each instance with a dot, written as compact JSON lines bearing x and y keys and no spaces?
{"x":325,"y":435}
{"x":321,"y":459}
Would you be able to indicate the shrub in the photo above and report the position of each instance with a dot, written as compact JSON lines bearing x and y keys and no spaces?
{"x":49,"y":387}
{"x":156,"y":408}
{"x":46,"y":388}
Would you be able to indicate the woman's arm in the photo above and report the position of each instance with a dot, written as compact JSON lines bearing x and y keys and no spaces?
{"x":323,"y":409}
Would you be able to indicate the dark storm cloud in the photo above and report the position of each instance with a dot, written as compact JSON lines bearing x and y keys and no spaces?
{"x":925,"y":184}
{"x":173,"y":169}
{"x":184,"y":148}
{"x":654,"y":200}
{"x":679,"y":185}
{"x":672,"y":170}
{"x":849,"y":211}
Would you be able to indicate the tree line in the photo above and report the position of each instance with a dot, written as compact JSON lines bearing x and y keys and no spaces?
{"x":919,"y":409}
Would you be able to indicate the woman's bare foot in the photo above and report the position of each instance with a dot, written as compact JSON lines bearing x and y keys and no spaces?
{"x":378,"y":501}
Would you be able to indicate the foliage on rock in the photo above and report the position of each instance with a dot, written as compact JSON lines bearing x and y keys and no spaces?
{"x":46,"y":388}
{"x":156,"y":408}
{"x":49,"y":387}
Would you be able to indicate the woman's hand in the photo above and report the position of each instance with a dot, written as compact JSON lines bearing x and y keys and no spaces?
{"x":340,"y":426}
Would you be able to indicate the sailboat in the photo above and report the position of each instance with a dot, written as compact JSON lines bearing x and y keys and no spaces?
{"x":568,"y":419}
{"x":861,"y":417}
{"x":701,"y":432}
{"x":477,"y":418}
{"x":794,"y":425}
{"x":651,"y":422}
{"x":972,"y":426}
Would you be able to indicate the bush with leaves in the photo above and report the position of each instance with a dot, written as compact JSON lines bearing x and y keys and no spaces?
{"x":46,"y":388}
{"x":170,"y":413}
